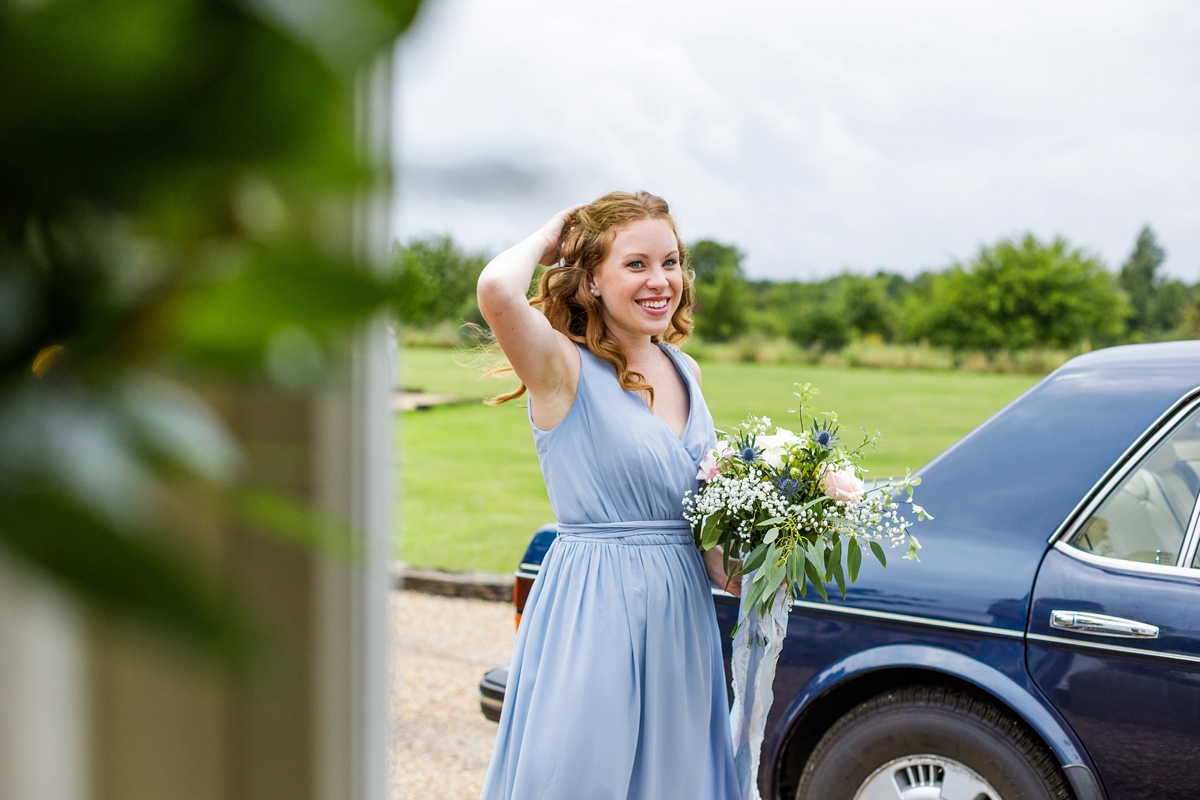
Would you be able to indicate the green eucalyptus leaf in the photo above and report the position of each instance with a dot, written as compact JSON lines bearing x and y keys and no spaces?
{"x":795,"y":567}
{"x":755,"y":593}
{"x":710,"y":532}
{"x":818,"y":582}
{"x":853,"y":559}
{"x":768,"y":564}
{"x":877,"y":550}
{"x":913,"y":547}
{"x":755,"y":559}
{"x":840,"y":576}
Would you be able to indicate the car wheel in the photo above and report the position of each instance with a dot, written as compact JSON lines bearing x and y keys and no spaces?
{"x":930,"y":743}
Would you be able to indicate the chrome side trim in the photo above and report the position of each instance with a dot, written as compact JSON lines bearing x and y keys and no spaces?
{"x":1122,"y":466}
{"x":907,"y":618}
{"x":721,"y":593}
{"x":531,"y":570}
{"x":1121,"y":565}
{"x":490,"y":702}
{"x":1115,"y":648}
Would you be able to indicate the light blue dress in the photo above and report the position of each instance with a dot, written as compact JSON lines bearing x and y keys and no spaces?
{"x":617,"y":686}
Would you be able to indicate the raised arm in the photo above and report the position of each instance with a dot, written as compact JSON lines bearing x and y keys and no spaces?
{"x":544,"y":359}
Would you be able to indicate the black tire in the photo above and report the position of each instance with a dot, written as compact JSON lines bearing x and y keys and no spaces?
{"x":938,"y":721}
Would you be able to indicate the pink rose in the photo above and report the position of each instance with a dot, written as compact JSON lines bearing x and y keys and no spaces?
{"x":843,"y":485}
{"x":709,"y":467}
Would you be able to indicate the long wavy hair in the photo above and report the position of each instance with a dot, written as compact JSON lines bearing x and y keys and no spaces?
{"x":565,"y":296}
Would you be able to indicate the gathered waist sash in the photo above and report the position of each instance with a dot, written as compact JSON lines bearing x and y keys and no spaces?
{"x":639,"y":533}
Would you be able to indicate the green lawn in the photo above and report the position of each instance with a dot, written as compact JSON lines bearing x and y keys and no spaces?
{"x":471,"y":491}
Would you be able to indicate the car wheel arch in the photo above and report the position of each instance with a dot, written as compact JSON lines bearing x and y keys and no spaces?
{"x":844,"y":684}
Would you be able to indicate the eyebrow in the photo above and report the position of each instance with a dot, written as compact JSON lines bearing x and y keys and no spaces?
{"x":643,"y":255}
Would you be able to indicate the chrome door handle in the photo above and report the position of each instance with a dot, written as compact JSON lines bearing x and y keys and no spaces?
{"x":1102,"y":625}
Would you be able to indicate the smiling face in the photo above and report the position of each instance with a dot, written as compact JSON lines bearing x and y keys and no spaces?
{"x":640,"y":281}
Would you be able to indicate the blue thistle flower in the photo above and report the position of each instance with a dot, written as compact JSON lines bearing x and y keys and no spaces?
{"x":746,"y":449}
{"x":787,"y":487}
{"x":824,"y":436}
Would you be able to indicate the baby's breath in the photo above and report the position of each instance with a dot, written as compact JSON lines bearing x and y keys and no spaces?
{"x":797,"y":497}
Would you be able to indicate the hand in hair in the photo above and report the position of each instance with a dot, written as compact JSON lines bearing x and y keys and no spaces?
{"x":553,"y":233}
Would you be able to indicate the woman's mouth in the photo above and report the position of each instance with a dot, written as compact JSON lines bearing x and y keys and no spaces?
{"x":655,"y":305}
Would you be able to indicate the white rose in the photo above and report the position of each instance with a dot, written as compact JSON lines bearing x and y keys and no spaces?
{"x":774,"y":447}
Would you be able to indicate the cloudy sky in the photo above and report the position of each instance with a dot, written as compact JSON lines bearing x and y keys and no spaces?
{"x":816,"y":136}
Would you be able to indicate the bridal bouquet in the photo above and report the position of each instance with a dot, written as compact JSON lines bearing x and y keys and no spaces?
{"x":794,"y":508}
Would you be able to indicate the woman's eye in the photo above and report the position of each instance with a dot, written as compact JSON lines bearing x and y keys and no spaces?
{"x":635,"y":265}
{"x":670,"y":262}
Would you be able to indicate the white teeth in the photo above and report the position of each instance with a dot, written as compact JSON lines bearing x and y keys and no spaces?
{"x":652,"y":303}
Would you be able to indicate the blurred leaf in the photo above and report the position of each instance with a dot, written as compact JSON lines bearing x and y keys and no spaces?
{"x":402,"y":11}
{"x":176,"y":189}
{"x":292,"y":521}
{"x":230,"y":323}
{"x":107,"y":100}
{"x":133,"y":575}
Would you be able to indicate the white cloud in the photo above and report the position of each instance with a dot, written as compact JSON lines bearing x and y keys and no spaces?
{"x":815,"y":136}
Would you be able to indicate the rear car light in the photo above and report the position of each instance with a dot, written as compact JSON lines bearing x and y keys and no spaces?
{"x":522,"y":583}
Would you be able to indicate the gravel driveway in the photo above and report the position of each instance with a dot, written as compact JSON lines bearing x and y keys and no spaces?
{"x":441,"y":646}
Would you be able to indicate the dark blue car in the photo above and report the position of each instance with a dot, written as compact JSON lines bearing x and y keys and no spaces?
{"x":1048,"y":643}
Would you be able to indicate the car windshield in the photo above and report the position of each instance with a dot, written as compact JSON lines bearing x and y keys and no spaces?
{"x":1146,"y":518}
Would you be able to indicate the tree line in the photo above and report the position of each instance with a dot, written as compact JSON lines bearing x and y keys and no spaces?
{"x":1018,"y":293}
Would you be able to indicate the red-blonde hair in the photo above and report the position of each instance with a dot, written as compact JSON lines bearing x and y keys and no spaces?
{"x":565,"y":296}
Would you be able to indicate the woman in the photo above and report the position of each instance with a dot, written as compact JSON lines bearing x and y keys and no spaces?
{"x":617,"y":687}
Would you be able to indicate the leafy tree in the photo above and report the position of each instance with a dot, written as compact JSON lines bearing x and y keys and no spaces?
{"x":868,"y":309}
{"x":438,"y":280}
{"x":1190,"y":326}
{"x":708,"y":259}
{"x":722,"y":296}
{"x":821,"y":324}
{"x":1018,"y":294}
{"x":1157,"y":303}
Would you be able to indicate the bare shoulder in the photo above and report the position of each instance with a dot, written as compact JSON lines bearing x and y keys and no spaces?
{"x":694,"y":365}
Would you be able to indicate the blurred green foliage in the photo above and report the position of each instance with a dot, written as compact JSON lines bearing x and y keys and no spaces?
{"x":177,"y":180}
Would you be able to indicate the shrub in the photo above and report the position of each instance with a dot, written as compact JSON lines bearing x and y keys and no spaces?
{"x":1018,"y":295}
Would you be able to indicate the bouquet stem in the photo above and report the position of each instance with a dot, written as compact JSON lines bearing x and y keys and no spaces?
{"x":756,"y":648}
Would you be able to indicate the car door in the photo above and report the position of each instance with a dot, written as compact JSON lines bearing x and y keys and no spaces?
{"x":1113,"y":637}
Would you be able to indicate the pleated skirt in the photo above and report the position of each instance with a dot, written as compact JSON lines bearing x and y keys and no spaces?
{"x":616,"y":689}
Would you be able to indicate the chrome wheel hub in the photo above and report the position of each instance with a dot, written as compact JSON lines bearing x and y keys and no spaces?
{"x":925,"y":777}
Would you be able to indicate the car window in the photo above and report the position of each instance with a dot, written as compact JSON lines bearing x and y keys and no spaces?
{"x":1146,"y":518}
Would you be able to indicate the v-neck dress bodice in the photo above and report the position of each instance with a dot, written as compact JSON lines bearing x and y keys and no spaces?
{"x":616,"y":690}
{"x":612,"y":459}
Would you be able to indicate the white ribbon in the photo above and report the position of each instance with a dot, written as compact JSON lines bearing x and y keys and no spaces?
{"x":755,"y":653}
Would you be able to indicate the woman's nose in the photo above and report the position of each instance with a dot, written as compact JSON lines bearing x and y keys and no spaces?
{"x":656,"y":277}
